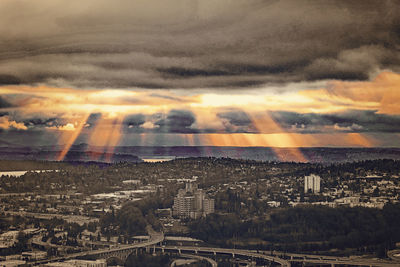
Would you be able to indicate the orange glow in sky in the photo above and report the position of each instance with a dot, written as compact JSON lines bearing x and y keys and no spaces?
{"x":72,"y":106}
{"x":360,"y":139}
{"x":73,"y":137}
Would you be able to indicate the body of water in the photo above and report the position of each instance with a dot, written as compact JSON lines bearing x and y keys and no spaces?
{"x":152,"y":160}
{"x":20,"y":173}
{"x":13,"y":173}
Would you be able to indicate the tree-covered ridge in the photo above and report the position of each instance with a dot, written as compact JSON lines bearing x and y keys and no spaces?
{"x":306,"y":228}
{"x":27,"y":165}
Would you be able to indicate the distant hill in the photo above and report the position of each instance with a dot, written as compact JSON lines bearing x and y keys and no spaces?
{"x":6,"y":144}
{"x":84,"y":152}
{"x":76,"y":156}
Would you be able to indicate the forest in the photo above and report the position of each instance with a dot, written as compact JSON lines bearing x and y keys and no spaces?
{"x":308,"y":228}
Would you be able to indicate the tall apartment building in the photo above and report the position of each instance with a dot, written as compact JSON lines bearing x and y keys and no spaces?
{"x":192,"y":202}
{"x":313,"y":183}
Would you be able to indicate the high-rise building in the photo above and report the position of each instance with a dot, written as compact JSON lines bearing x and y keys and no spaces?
{"x":208,"y":205}
{"x":313,"y":183}
{"x":192,"y":202}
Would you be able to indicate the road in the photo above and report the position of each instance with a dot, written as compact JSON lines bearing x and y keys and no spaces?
{"x":322,"y":259}
{"x":394,"y":255}
{"x":155,"y":238}
{"x":190,"y":256}
{"x":349,"y":262}
{"x":277,"y":257}
{"x":37,"y":240}
{"x":81,"y":220}
{"x":233,"y":252}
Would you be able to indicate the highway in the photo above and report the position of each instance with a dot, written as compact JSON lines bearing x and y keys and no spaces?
{"x":332,"y":260}
{"x":190,"y":256}
{"x":276,"y":257}
{"x":358,"y":262}
{"x":233,"y":252}
{"x":155,"y":238}
{"x":37,"y":240}
{"x":394,"y":255}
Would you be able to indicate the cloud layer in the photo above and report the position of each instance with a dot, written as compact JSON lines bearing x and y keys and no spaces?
{"x":195,"y":44}
{"x":240,"y":72}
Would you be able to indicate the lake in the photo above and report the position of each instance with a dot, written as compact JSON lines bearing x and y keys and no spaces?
{"x":13,"y":173}
{"x":152,"y":160}
{"x":19,"y":173}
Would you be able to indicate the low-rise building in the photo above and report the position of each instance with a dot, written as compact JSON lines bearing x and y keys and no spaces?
{"x":34,"y":255}
{"x":8,"y":239}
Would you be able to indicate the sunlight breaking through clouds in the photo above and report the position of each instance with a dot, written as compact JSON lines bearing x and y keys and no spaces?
{"x":345,"y":108}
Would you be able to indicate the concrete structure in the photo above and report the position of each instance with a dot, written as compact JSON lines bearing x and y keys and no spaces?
{"x":225,"y":251}
{"x":12,"y":263}
{"x":208,"y":205}
{"x":131,"y":182}
{"x":313,"y":183}
{"x":79,"y":263}
{"x":11,"y":257}
{"x":122,"y":252}
{"x":34,"y":255}
{"x":164,"y":212}
{"x":196,"y":258}
{"x":192,"y":202}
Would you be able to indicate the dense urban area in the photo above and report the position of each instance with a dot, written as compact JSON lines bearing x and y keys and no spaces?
{"x":50,"y":210}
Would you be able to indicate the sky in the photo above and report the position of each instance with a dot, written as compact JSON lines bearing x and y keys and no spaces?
{"x":200,"y":72}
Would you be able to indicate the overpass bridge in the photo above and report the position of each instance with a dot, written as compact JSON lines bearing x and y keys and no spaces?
{"x":394,"y":255}
{"x":122,"y":252}
{"x":212,"y":262}
{"x":332,"y":260}
{"x":226,"y":251}
{"x":283,"y":259}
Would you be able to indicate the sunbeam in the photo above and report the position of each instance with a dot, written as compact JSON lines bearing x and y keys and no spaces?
{"x":264,"y":124}
{"x":73,"y":137}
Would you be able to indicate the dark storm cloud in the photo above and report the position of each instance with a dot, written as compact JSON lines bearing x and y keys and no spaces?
{"x":9,"y":80}
{"x":177,"y":99}
{"x":238,"y":118}
{"x":349,"y":121}
{"x":133,"y":122}
{"x":38,"y":122}
{"x":193,"y":43}
{"x":176,"y":121}
{"x":4,"y":103}
{"x":236,"y":121}
{"x":186,"y":72}
{"x":92,"y":120}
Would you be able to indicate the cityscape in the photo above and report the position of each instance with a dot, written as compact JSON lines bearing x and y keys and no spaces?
{"x":174,"y":208}
{"x":198,"y":133}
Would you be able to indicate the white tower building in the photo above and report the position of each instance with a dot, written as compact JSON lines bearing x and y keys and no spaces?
{"x":313,"y":183}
